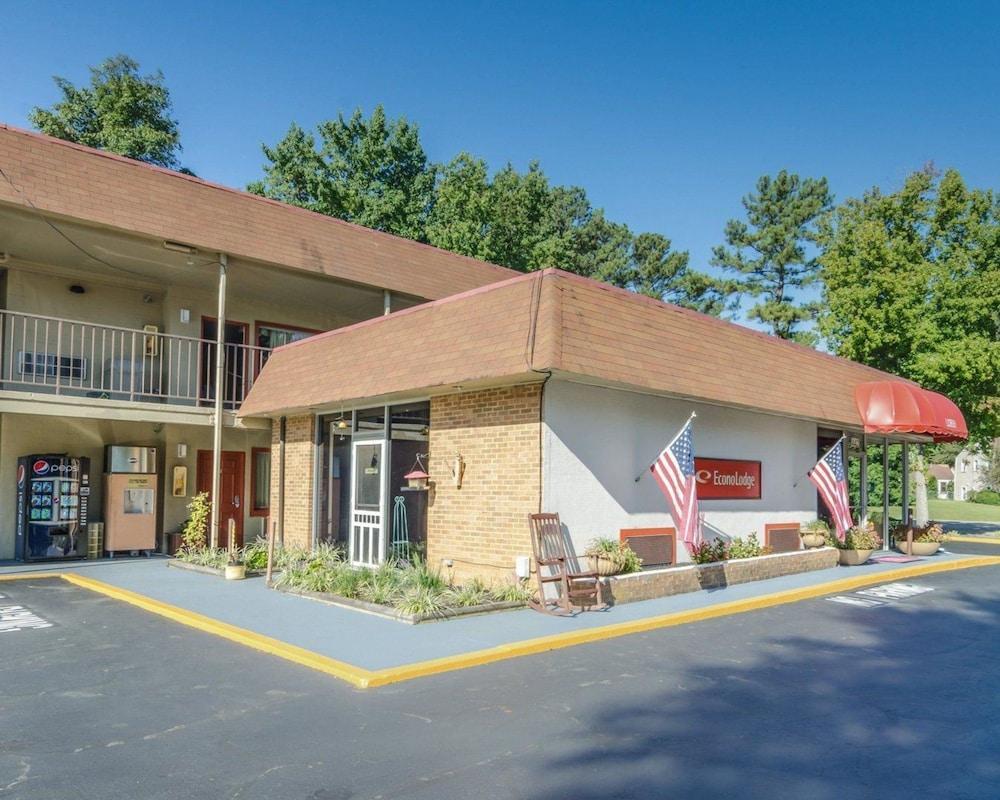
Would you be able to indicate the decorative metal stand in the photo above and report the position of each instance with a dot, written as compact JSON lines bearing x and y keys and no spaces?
{"x":400,"y":544}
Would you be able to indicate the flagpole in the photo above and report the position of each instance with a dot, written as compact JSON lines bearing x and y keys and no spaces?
{"x":805,"y":474}
{"x":686,"y":423}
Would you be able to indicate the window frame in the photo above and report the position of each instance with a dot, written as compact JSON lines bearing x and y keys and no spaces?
{"x":254,"y":510}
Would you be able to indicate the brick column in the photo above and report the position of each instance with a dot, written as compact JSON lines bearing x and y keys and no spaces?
{"x":300,"y":462}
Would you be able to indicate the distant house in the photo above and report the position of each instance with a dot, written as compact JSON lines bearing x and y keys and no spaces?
{"x":971,"y":467}
{"x":945,"y":478}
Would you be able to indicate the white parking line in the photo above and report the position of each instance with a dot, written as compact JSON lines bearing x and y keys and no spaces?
{"x":19,"y":618}
{"x":881,"y":595}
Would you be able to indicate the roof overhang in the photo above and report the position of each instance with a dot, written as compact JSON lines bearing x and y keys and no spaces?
{"x":894,"y":407}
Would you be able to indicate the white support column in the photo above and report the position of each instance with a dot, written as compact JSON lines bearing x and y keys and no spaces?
{"x":906,"y":483}
{"x":863,"y":489}
{"x":386,"y":302}
{"x":220,"y":392}
{"x":885,"y":494}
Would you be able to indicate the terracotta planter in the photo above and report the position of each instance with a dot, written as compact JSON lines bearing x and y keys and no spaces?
{"x":919,"y":548}
{"x":236,"y":572}
{"x":812,"y":540}
{"x":852,"y":558}
{"x":603,"y":565}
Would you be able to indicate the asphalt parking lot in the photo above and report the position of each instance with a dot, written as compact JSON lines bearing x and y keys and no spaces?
{"x":816,"y":699}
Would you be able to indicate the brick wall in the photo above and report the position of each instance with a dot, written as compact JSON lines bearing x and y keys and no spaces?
{"x":483,"y":526}
{"x":299,"y":463}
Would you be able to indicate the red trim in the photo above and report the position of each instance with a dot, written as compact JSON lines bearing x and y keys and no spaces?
{"x":779,"y":526}
{"x":258,"y":362}
{"x":626,"y":533}
{"x":254,"y":511}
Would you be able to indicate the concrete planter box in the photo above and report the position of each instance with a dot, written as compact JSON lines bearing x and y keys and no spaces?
{"x":854,"y":558}
{"x":398,"y":616}
{"x":219,"y":573}
{"x":694,"y":577}
{"x":919,"y":548}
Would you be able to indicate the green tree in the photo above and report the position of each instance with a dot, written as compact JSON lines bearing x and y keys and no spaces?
{"x":521,"y":221}
{"x":912,"y":286}
{"x":769,"y":253}
{"x":373,"y":172}
{"x":120,"y":111}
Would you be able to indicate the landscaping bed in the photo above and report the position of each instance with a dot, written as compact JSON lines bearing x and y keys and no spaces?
{"x":205,"y":569}
{"x":408,"y":592}
{"x":650,"y":584}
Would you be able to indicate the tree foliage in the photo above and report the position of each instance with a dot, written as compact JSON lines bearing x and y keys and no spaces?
{"x":120,"y":111}
{"x":373,"y":172}
{"x":912,"y":286}
{"x":768,"y":255}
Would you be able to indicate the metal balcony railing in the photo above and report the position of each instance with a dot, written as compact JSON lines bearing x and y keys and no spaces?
{"x":69,"y":357}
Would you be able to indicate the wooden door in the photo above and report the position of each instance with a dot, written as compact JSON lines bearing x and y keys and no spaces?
{"x":230,"y":490}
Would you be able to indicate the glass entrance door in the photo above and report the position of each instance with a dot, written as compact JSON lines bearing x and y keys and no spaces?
{"x":367,"y":546}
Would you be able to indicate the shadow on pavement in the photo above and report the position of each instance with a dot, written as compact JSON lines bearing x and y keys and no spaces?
{"x":883,"y":702}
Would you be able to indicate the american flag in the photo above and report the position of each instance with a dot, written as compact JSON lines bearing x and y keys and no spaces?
{"x":674,"y":472}
{"x":829,"y":477}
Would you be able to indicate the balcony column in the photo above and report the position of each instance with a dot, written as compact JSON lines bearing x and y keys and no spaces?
{"x":386,"y":302}
{"x":220,"y":393}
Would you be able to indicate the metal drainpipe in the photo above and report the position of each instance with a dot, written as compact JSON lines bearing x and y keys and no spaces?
{"x":281,"y":480}
{"x":220,"y":390}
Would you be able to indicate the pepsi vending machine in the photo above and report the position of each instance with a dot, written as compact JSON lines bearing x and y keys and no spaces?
{"x":53,"y":495}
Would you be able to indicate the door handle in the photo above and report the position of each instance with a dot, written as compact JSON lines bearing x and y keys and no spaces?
{"x":236,"y":501}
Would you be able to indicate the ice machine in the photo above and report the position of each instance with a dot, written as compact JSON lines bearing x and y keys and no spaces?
{"x":130,"y":500}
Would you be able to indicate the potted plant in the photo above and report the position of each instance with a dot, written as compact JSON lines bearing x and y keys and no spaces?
{"x":608,"y":557}
{"x":814,"y":533}
{"x":236,"y":567}
{"x":193,"y":535}
{"x":858,"y":544}
{"x":926,"y":540}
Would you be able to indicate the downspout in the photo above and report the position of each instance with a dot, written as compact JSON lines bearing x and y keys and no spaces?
{"x":281,"y":480}
{"x":220,"y":389}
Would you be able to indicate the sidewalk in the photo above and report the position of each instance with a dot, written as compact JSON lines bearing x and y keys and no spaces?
{"x":373,"y":646}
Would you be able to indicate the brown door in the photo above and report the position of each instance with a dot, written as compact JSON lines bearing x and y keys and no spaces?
{"x":230,"y":490}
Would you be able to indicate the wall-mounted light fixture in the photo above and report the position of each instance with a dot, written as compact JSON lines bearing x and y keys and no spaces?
{"x":180,"y":247}
{"x":185,"y":315}
{"x":182,"y":450}
{"x":458,"y":470}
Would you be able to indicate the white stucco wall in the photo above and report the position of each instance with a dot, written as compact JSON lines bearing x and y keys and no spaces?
{"x":596,"y":440}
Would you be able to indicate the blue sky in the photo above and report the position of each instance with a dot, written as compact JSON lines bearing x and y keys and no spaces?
{"x":665,"y":112}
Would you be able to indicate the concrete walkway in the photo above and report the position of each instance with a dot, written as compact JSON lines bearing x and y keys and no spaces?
{"x":374,"y":644}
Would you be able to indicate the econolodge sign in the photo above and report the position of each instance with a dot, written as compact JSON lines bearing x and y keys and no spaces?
{"x":727,"y":479}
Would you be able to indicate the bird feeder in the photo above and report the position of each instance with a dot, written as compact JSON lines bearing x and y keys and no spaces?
{"x":417,"y":477}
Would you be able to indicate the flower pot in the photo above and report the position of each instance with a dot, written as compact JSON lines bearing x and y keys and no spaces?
{"x":812,"y":540}
{"x":851,"y":558}
{"x":919,"y":548}
{"x":236,"y":572}
{"x":603,"y":565}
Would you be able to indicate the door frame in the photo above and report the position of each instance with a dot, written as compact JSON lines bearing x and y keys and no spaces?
{"x":207,"y":473}
{"x":206,"y":382}
{"x":380,"y":537}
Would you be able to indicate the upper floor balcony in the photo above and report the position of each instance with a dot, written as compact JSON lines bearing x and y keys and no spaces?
{"x":65,"y":357}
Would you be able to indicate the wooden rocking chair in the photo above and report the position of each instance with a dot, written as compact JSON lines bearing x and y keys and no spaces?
{"x":554,"y":565}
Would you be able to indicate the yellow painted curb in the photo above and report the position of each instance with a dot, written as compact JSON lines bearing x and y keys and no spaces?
{"x":364,"y":678}
{"x":23,"y":576}
{"x":339,"y":669}
{"x":976,"y":539}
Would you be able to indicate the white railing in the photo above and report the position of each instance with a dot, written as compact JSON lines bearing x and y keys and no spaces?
{"x":69,"y":357}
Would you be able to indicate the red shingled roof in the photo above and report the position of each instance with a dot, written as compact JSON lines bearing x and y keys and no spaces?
{"x":553,"y":321}
{"x":92,"y":186}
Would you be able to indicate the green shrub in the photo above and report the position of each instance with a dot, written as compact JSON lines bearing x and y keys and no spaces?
{"x":749,"y":547}
{"x":255,"y":554}
{"x":216,"y":558}
{"x":472,"y":593}
{"x":193,"y":536}
{"x":512,"y":592}
{"x":419,"y":599}
{"x":986,"y":497}
{"x":857,"y":538}
{"x":820,"y":526}
{"x":709,"y":552}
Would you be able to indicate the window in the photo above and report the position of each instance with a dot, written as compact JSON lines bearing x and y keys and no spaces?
{"x":260,"y":482}
{"x":270,"y":336}
{"x":46,"y":365}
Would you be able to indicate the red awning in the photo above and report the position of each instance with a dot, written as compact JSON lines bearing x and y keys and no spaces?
{"x":898,"y":407}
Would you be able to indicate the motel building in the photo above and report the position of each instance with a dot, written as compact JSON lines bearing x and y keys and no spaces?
{"x":162,"y":336}
{"x":553,"y":392}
